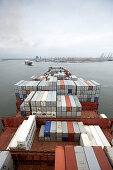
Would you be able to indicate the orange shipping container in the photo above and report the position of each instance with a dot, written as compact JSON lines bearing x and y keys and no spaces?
{"x":70,"y":131}
{"x":71,"y":163}
{"x":27,"y":91}
{"x":61,"y":84}
{"x":68,"y":104}
{"x":59,"y":158}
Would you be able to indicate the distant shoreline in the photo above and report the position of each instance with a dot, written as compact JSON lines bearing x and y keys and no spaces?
{"x":59,"y":61}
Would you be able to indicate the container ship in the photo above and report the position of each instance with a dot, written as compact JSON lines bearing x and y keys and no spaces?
{"x":57,"y":125}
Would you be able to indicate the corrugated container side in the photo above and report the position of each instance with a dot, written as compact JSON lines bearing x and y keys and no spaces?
{"x":41,"y":133}
{"x":102,"y":136}
{"x":91,"y":158}
{"x":80,"y":158}
{"x":102,"y":159}
{"x":70,"y":159}
{"x":96,"y":137}
{"x":76,"y":131}
{"x":64,"y":131}
{"x":59,"y":158}
{"x":70,"y":132}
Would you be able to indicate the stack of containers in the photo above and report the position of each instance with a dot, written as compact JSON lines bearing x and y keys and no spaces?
{"x":60,"y":75}
{"x":26,"y":137}
{"x":74,"y":132}
{"x":73,"y":77}
{"x":49,"y":85}
{"x":53,"y":70}
{"x":78,"y":157}
{"x":26,"y":105}
{"x":88,"y":93}
{"x":43,"y":104}
{"x":66,"y":87}
{"x":68,"y":106}
{"x":23,"y":89}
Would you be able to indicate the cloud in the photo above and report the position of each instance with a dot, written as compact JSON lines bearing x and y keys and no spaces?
{"x":56,"y":28}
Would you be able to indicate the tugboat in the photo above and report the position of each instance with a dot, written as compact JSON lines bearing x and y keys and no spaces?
{"x":28,"y":62}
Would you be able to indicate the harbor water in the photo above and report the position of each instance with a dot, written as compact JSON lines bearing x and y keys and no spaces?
{"x":14,"y":70}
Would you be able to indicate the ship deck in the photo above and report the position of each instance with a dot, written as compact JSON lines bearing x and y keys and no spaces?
{"x":40,"y":146}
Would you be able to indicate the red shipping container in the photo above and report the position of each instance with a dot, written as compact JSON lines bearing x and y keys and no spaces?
{"x":59,"y":158}
{"x":70,"y":131}
{"x":71,"y":163}
{"x":68,"y":104}
{"x":27,"y":91}
{"x":101,"y":157}
{"x":61,"y":84}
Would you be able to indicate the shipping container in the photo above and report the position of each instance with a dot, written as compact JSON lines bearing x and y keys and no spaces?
{"x":91,"y":158}
{"x":59,"y":158}
{"x":80,"y":158}
{"x":102,"y":159}
{"x":70,"y":159}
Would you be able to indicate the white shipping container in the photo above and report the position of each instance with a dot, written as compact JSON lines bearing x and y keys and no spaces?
{"x":59,"y":129}
{"x":53,"y":129}
{"x":6,"y":161}
{"x":91,"y":158}
{"x":76,"y":131}
{"x":90,"y":136}
{"x":96,"y":137}
{"x":102,"y":136}
{"x":64,"y":129}
{"x":84,"y":140}
{"x":80,"y":158}
{"x":41,"y":133}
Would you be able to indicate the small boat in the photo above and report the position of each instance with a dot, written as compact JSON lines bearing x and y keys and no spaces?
{"x":28,"y":62}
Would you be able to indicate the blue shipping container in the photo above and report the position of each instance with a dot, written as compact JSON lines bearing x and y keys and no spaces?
{"x":88,"y":99}
{"x":17,"y":95}
{"x":23,"y":113}
{"x":47,"y":129}
{"x":96,"y":99}
{"x":65,"y":139}
{"x":24,"y":96}
{"x":69,"y":91}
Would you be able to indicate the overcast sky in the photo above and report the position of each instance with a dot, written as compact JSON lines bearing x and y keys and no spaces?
{"x":54,"y":28}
